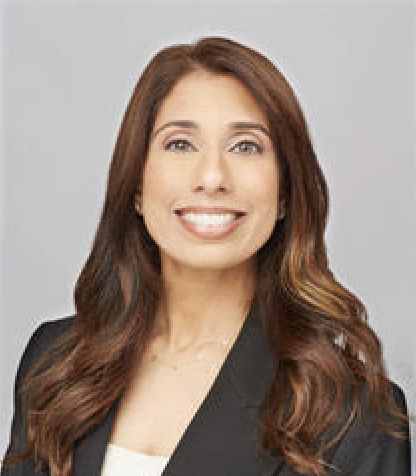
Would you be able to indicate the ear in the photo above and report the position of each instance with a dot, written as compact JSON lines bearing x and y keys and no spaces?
{"x":138,"y":202}
{"x":281,"y":211}
{"x":282,"y":204}
{"x":138,"y":195}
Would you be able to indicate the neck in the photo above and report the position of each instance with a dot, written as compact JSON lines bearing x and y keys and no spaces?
{"x":202,"y":305}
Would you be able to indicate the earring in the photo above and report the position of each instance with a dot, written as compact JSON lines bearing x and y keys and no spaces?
{"x":137,"y":207}
{"x":282,"y":215}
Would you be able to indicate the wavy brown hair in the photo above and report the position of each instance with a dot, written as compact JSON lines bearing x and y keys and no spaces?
{"x":317,"y":329}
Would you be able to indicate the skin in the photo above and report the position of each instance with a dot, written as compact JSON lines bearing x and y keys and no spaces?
{"x":209,"y":283}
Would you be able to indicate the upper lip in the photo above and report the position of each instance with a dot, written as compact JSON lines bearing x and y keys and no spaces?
{"x":199,"y":209}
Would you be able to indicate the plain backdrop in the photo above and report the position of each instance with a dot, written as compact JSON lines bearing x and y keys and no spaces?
{"x":68,"y":69}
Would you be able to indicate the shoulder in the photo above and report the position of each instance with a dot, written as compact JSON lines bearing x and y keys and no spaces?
{"x":399,"y":396}
{"x":44,"y":337}
{"x":366,"y":448}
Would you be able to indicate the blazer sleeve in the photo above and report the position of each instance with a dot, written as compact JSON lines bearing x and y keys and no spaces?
{"x":40,"y":340}
{"x":366,"y":450}
{"x":18,"y":431}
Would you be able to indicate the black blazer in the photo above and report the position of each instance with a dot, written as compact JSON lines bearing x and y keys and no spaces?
{"x":219,"y":441}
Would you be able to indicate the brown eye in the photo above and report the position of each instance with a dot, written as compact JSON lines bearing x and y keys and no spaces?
{"x":253,"y":147}
{"x":182,"y":148}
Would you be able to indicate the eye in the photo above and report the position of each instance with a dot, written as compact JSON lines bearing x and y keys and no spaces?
{"x":181,"y":145}
{"x":184,"y":142}
{"x":257,"y":147}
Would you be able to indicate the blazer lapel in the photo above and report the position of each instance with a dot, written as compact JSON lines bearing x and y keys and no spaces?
{"x":221,"y":437}
{"x":90,"y":450}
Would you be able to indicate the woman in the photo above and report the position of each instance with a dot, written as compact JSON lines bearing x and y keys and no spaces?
{"x":210,"y":336}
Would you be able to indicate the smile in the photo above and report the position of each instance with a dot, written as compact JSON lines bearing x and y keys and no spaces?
{"x":210,"y":225}
{"x":213,"y":219}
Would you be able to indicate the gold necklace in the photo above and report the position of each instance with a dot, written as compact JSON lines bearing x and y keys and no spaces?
{"x":224,"y":342}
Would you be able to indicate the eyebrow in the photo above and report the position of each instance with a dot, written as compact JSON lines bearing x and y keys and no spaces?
{"x":239,"y":125}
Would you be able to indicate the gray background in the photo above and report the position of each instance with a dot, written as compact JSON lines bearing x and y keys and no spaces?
{"x":67,"y":74}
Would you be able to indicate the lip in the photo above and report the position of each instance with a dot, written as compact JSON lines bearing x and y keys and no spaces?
{"x":215,"y":231}
{"x":198,"y":209}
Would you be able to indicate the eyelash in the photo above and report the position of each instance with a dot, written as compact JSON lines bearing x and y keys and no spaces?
{"x":175,"y":141}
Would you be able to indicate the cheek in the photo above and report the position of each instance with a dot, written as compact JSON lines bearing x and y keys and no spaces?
{"x":160,"y":185}
{"x":264,"y":191}
{"x":153,"y":177}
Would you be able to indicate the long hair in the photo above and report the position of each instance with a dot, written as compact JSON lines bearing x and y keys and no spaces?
{"x":316,"y":328}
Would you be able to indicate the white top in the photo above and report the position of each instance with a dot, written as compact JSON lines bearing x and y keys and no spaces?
{"x":119,"y":461}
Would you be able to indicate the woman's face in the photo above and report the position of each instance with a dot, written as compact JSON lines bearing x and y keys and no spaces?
{"x":210,"y":163}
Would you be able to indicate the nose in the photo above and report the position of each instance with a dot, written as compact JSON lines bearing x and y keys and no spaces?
{"x":212,"y":172}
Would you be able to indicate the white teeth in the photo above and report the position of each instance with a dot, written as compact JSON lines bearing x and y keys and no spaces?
{"x":209,"y":219}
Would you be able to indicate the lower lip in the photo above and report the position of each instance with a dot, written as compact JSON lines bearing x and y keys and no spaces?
{"x":211,"y":231}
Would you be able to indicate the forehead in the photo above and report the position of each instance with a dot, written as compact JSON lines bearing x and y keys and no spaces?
{"x":205,"y":96}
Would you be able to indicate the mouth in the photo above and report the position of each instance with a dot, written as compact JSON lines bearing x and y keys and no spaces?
{"x":210,"y":214}
{"x":209,"y":211}
{"x":210,"y":224}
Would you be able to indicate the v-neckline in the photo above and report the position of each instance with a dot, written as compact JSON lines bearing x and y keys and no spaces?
{"x":220,"y":435}
{"x":207,"y":402}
